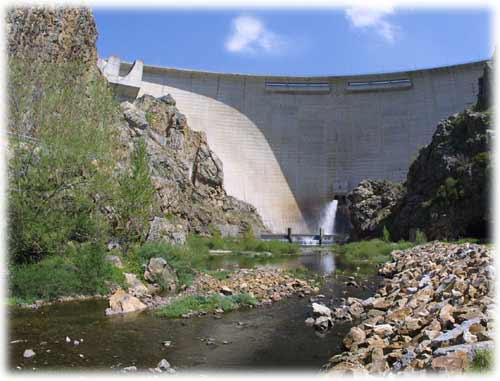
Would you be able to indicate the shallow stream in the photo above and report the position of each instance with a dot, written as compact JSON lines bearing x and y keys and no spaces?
{"x":272,"y":337}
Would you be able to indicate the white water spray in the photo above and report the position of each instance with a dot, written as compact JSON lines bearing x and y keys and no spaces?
{"x":327,"y":220}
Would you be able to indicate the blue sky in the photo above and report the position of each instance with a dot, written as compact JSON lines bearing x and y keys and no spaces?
{"x":296,"y":42}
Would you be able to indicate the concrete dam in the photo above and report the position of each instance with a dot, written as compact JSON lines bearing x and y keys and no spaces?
{"x":290,"y":145}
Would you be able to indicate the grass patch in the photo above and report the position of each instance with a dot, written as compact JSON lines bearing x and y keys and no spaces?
{"x":249,"y":243}
{"x":314,"y":279}
{"x":219,"y":274}
{"x":205,"y":303}
{"x":483,"y":361}
{"x":367,"y":255}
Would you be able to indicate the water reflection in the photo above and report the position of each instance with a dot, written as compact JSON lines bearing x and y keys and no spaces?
{"x":319,"y":262}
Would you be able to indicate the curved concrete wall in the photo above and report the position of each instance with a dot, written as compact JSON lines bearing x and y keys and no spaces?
{"x":289,"y":145}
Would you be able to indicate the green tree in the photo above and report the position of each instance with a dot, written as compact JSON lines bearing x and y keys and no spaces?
{"x":136,"y":197}
{"x":62,"y":153}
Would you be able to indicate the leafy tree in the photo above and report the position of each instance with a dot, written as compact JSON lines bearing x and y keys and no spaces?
{"x":136,"y":197}
{"x":62,"y":153}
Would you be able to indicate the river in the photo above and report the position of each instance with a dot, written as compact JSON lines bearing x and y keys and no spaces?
{"x":266,"y":337}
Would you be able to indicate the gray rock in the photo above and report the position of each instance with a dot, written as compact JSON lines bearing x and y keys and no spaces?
{"x":453,"y":334}
{"x":161,"y":229}
{"x":321,"y":310}
{"x":115,"y":261}
{"x":160,"y":271}
{"x":470,"y":349}
{"x":134,"y":116}
{"x":168,"y":99}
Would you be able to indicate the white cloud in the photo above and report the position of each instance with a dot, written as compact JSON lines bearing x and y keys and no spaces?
{"x":374,"y":18}
{"x":249,"y":35}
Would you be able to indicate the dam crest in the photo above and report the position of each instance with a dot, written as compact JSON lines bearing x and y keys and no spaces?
{"x":291,"y":145}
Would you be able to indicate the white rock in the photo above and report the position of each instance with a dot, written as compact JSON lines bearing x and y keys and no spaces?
{"x":309,"y":321}
{"x":163,"y":364}
{"x":321,"y":310}
{"x":28,"y":353}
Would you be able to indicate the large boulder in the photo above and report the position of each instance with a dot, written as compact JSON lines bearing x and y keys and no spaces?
{"x":121,"y":302}
{"x":370,"y":203}
{"x":159,"y":271}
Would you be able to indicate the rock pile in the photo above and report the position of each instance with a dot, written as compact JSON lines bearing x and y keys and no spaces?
{"x":434,"y":311}
{"x":267,"y":285}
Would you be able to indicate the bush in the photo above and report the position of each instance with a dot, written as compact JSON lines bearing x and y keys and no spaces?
{"x":82,"y":271}
{"x":367,"y":254}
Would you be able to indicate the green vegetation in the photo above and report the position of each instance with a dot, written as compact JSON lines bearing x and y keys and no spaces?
{"x":219,"y":274}
{"x":205,"y":303}
{"x":420,"y":237}
{"x":314,"y":279}
{"x":67,"y":194}
{"x":483,"y":361}
{"x":81,"y":271}
{"x":135,"y":198}
{"x":249,"y":243}
{"x":367,"y":255}
{"x":386,"y":235}
{"x":62,"y":158}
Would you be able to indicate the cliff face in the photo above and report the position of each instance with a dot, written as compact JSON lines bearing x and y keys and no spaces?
{"x":187,"y":174}
{"x":447,"y":187}
{"x":446,"y":193}
{"x":370,"y":203}
{"x":52,"y":34}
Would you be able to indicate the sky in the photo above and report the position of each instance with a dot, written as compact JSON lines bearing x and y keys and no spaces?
{"x":330,"y":41}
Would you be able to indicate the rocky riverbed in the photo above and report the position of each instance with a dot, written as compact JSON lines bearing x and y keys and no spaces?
{"x":434,"y":311}
{"x":267,"y":285}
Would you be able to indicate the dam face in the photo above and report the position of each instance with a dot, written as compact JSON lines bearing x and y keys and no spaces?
{"x":289,"y":145}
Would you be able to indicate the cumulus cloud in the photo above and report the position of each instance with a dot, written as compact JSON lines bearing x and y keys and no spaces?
{"x":375,"y":19}
{"x":249,"y":35}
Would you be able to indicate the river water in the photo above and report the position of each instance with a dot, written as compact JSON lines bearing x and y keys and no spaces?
{"x":266,"y":337}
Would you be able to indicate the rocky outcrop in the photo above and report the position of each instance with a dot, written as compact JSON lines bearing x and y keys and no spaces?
{"x":186,"y":173}
{"x":447,"y":187}
{"x":434,"y":310}
{"x":56,"y":35}
{"x":370,"y":203}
